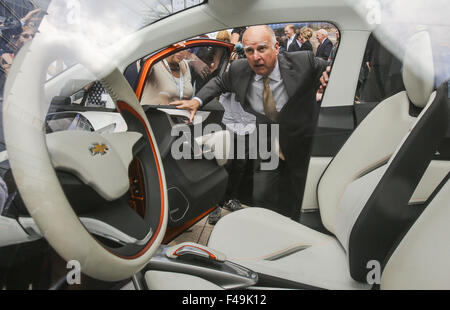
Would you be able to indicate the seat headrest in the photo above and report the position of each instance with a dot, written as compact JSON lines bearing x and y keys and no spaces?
{"x":418,"y":69}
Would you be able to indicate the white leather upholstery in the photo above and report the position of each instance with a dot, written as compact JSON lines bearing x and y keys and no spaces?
{"x":381,"y":131}
{"x":435,"y":173}
{"x":371,"y":144}
{"x":267,"y":242}
{"x":421,"y":261}
{"x":317,"y":166}
{"x":161,"y":280}
{"x":418,"y":69}
{"x":353,"y":201}
{"x":272,"y":244}
{"x":95,"y":170}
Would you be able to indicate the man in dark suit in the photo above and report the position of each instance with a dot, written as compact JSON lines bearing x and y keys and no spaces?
{"x":278,"y":89}
{"x":325,"y":45}
{"x":291,"y":38}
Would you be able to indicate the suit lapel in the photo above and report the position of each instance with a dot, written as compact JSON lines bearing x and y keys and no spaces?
{"x":318,"y":49}
{"x":288,"y":74}
{"x":243,"y":83}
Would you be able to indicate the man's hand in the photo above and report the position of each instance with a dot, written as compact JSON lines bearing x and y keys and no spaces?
{"x":181,"y":44}
{"x":319,"y":94}
{"x":191,"y":105}
{"x":324,"y":77}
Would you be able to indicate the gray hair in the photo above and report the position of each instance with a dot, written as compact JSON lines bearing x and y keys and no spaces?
{"x":323,"y":31}
{"x":273,"y":38}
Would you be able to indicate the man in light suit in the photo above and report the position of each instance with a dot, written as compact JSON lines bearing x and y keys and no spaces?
{"x":278,"y":89}
{"x":325,"y":45}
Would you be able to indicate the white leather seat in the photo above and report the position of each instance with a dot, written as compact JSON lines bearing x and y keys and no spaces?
{"x":425,"y":248}
{"x":274,"y":245}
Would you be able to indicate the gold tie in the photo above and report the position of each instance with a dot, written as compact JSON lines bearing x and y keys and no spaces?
{"x":268,"y":102}
{"x":271,"y":111}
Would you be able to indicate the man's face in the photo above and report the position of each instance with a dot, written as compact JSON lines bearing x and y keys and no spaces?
{"x":289,"y":32}
{"x":261,"y":53}
{"x":24,"y":37}
{"x":319,"y":37}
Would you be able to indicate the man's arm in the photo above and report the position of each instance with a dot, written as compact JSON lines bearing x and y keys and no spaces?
{"x":319,"y":65}
{"x":321,"y":69}
{"x":327,"y":49}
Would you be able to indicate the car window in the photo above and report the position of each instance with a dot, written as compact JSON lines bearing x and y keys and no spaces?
{"x":380,"y":76}
{"x":190,"y":68}
{"x":19,"y":21}
{"x":381,"y":70}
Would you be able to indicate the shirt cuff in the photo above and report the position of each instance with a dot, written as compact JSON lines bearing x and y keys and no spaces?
{"x":199,"y":100}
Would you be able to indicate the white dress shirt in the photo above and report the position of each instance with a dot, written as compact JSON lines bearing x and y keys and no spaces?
{"x":255,"y":91}
{"x":289,"y":42}
{"x":242,"y":122}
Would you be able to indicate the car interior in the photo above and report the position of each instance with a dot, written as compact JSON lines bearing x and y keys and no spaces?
{"x":114,"y":199}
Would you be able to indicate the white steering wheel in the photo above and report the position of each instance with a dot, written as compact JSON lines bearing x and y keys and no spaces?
{"x":100,"y":161}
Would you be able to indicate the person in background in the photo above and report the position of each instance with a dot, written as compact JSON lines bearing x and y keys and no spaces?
{"x":331,"y":58}
{"x":302,"y":42}
{"x":6,"y":62}
{"x":16,"y":32}
{"x":26,"y":35}
{"x":335,"y":46}
{"x":289,"y":31}
{"x":236,"y":39}
{"x":325,"y":45}
{"x":236,"y":34}
{"x":225,"y":36}
{"x":168,"y":80}
{"x":282,"y":43}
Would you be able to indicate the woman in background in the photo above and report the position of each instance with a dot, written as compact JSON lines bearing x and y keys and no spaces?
{"x":303,"y":43}
{"x":168,"y":80}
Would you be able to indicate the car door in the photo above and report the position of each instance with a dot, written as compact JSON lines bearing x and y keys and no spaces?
{"x":195,"y":186}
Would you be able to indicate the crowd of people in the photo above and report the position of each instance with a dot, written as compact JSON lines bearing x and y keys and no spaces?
{"x":299,"y":39}
{"x":14,"y":33}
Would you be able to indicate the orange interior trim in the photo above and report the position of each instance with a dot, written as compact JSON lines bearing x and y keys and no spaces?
{"x":122,"y":106}
{"x":170,"y":50}
{"x":211,"y":256}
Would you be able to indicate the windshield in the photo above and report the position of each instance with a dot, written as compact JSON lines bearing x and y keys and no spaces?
{"x":99,"y":23}
{"x":114,"y":19}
